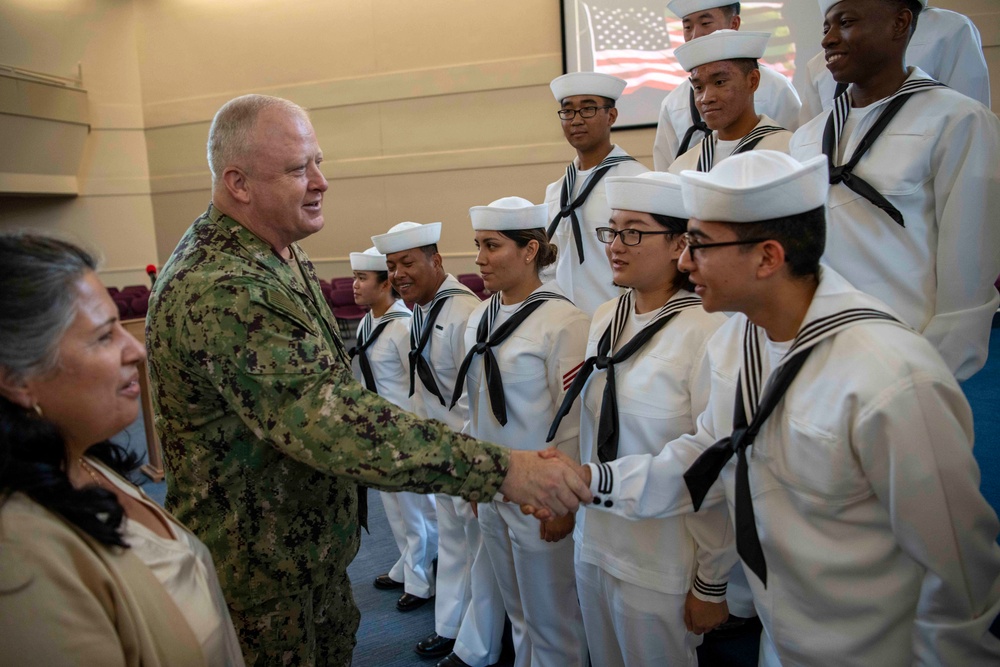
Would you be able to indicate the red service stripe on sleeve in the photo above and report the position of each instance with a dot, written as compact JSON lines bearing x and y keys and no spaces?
{"x":573,"y":371}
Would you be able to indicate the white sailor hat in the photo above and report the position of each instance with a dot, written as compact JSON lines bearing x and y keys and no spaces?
{"x":509,"y":214}
{"x":682,"y":8}
{"x":754,"y":186}
{"x":721,"y":45}
{"x":587,"y":83}
{"x":407,"y":235}
{"x":825,"y":5}
{"x":369,"y":260}
{"x":653,"y":192}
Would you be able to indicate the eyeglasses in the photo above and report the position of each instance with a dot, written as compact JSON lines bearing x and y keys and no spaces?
{"x":585,"y":112}
{"x":692,"y":246}
{"x":628,"y":236}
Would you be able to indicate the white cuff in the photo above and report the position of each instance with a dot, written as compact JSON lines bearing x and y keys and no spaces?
{"x":603,"y":485}
{"x":707,"y":592}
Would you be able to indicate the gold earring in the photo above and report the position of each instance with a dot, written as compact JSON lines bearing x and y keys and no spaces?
{"x":38,"y":411}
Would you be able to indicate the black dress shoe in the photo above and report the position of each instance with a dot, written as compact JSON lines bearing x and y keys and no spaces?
{"x":434,"y":646}
{"x":386,"y":583}
{"x":452,"y":660}
{"x":407,"y":602}
{"x":735,"y":626}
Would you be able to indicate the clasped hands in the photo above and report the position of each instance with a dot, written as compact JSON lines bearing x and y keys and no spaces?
{"x":547,"y":484}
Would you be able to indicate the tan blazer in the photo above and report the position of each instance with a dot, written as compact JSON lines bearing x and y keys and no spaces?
{"x":66,"y":599}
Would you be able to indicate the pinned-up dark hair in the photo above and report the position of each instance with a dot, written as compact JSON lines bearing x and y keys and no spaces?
{"x":38,"y":302}
{"x":547,"y":251}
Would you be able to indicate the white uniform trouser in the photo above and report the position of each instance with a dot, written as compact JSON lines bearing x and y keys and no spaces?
{"x":628,"y":625}
{"x":539,"y":588}
{"x":480,"y":637}
{"x":414,"y":526}
{"x":467,"y":595}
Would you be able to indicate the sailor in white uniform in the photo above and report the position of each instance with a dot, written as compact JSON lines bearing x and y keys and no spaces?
{"x":577,"y":203}
{"x":843,"y":443}
{"x":380,"y":362}
{"x":441,"y":310}
{"x":724,"y":75}
{"x":912,"y":211}
{"x":680,"y":126}
{"x":945,"y":44}
{"x":641,"y":387}
{"x":525,"y":345}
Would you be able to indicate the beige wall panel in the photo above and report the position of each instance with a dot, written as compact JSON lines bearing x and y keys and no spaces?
{"x":993,"y":62}
{"x":48,"y":36}
{"x":349,"y":132}
{"x":114,"y":162}
{"x":193,"y":48}
{"x":42,"y":153}
{"x":119,"y":228}
{"x":110,"y":59}
{"x":43,"y":100}
{"x":174,"y":212}
{"x":638,"y":143}
{"x":472,"y":120}
{"x":447,"y":196}
{"x":179,"y":149}
{"x":413,"y":35}
{"x":255,"y":44}
{"x":53,"y":36}
{"x":466,"y":77}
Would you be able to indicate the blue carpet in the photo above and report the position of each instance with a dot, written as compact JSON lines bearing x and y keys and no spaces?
{"x":386,"y":637}
{"x":983,"y":392}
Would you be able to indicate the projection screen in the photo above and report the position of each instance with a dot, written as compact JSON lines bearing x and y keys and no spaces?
{"x":635,"y":40}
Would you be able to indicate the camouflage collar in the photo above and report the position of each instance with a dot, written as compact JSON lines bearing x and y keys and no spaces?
{"x":265,"y":256}
{"x":255,"y":246}
{"x":262,"y":251}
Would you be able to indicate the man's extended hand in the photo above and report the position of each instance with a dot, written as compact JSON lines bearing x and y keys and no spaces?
{"x":550,"y":483}
{"x":701,"y":617}
{"x":583,"y":473}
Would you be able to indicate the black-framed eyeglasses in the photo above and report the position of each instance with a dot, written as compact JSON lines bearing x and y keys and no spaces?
{"x":585,"y":112}
{"x":628,"y":236}
{"x":692,"y":245}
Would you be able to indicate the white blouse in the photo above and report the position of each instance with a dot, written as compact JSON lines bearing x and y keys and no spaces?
{"x":184,"y":566}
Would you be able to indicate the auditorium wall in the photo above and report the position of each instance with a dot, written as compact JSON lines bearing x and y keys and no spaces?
{"x":422,"y":109}
{"x":93,"y":42}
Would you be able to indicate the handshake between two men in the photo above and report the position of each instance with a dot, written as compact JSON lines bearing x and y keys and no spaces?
{"x":547,"y":483}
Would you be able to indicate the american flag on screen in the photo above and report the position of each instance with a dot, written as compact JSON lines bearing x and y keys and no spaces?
{"x":633,"y":43}
{"x":636,"y":42}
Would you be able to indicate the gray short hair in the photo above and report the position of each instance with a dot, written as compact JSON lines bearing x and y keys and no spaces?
{"x":230,"y":138}
{"x":37,"y":299}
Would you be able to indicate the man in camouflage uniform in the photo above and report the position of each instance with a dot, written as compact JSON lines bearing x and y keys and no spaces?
{"x":266,"y":431}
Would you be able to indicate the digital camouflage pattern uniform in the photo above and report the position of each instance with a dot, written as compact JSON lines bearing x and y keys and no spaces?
{"x":266,"y":433}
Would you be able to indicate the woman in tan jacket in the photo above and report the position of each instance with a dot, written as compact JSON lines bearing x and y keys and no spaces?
{"x":91,"y":571}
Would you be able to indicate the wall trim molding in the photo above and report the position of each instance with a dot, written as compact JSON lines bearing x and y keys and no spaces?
{"x":378,"y":87}
{"x":556,"y":153}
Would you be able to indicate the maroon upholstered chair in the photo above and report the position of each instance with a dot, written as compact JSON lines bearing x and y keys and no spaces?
{"x":474,"y":282}
{"x":140,"y":306}
{"x":348,"y":313}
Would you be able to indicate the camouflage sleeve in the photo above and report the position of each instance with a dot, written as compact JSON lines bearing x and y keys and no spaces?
{"x":271,"y":363}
